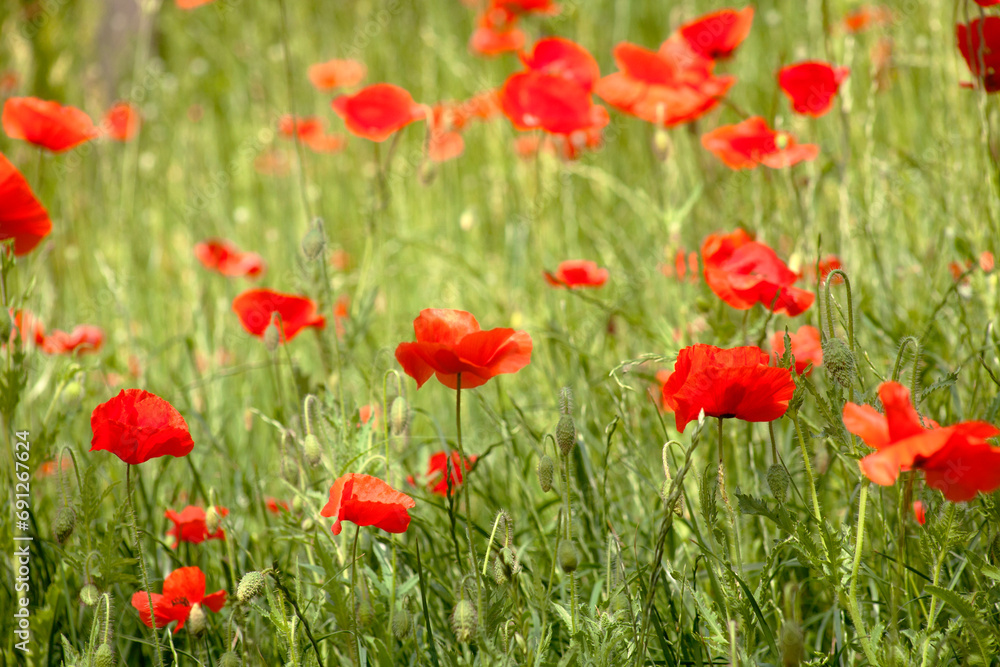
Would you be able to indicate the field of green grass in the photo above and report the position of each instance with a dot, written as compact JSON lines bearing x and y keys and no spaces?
{"x":731,"y":542}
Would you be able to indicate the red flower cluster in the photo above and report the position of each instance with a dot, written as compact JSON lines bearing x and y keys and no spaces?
{"x":576,"y":273}
{"x":435,"y":479}
{"x":368,"y":501}
{"x":256,"y":309}
{"x":378,"y":111}
{"x":189,"y":525}
{"x":22,"y":217}
{"x":183,"y":593}
{"x":136,"y":426}
{"x":224,"y":257}
{"x":47,"y":124}
{"x":751,"y":143}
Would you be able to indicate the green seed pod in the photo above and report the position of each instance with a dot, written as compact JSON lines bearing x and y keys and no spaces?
{"x":500,"y":571}
{"x":839,"y":362}
{"x":565,"y":434}
{"x":89,"y":595}
{"x":568,"y":557}
{"x":792,"y":643}
{"x":197,"y":620}
{"x":312,"y":451}
{"x":307,"y":524}
{"x":399,"y":415}
{"x":546,"y":468}
{"x":401,"y":623}
{"x":65,"y":523}
{"x":463,"y":621}
{"x":229,"y":659}
{"x":250,"y":586}
{"x":313,"y":242}
{"x":212,"y":520}
{"x":777,"y":480}
{"x":103,"y":656}
{"x":272,"y":337}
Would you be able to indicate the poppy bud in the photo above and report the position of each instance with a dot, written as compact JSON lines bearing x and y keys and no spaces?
{"x":399,"y":415}
{"x":463,"y":621}
{"x":792,"y":641}
{"x":363,"y":607}
{"x":401,"y":624}
{"x":64,"y":523}
{"x":103,"y":657}
{"x":212,"y":520}
{"x":272,"y":337}
{"x":313,"y":242}
{"x":777,"y":480}
{"x":290,"y":469}
{"x":89,"y":595}
{"x":297,"y":504}
{"x":229,"y":659}
{"x":71,"y":394}
{"x":307,"y":524}
{"x":312,"y":451}
{"x":250,"y":586}
{"x":546,"y":466}
{"x":661,"y":144}
{"x":499,"y":572}
{"x":565,"y":434}
{"x":839,"y":361}
{"x":197,"y":620}
{"x":568,"y":558}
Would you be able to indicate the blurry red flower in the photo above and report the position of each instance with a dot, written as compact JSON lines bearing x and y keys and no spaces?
{"x":574,"y":273}
{"x":918,"y":512}
{"x":49,"y":468}
{"x":47,"y":124}
{"x":535,"y":100}
{"x":189,"y":525}
{"x":257,"y":307}
{"x":828,"y":264}
{"x":84,"y":338}
{"x":337,"y":74}
{"x":368,"y":501}
{"x":28,"y":327}
{"x":811,"y":86}
{"x":565,"y":58}
{"x":956,"y":459}
{"x":368,"y":414}
{"x":224,"y":257}
{"x":191,"y":4}
{"x":444,"y":142}
{"x":496,"y":32}
{"x":341,"y":311}
{"x":717,"y":35}
{"x":986,"y":262}
{"x":376,"y":112}
{"x":275,"y":506}
{"x":22,"y":217}
{"x":683,"y":264}
{"x":806,"y":347}
{"x":122,"y":122}
{"x":450,"y":342}
{"x":183,"y":592}
{"x":737,"y":382}
{"x":310,"y":131}
{"x":751,"y":143}
{"x":979,"y":43}
{"x":434,"y":479}
{"x":137,"y":426}
{"x":743,"y":272}
{"x":527,"y":6}
{"x":866,"y":17}
{"x":8,"y":81}
{"x":273,"y":162}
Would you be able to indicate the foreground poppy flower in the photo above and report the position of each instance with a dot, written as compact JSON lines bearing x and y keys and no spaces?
{"x":224,"y":257}
{"x":189,"y":525}
{"x":84,"y":338}
{"x":376,"y":112}
{"x":743,"y":272}
{"x":979,"y":43}
{"x":737,"y":382}
{"x":257,"y":307}
{"x":806,"y":347}
{"x":368,"y":501}
{"x":337,"y":74}
{"x":751,"y":143}
{"x":717,"y":35}
{"x":47,"y":124}
{"x":22,"y":217}
{"x":956,"y":459}
{"x":450,"y":342}
{"x":183,"y":597}
{"x":811,"y":86}
{"x":435,"y":481}
{"x":576,"y":273}
{"x":122,"y":122}
{"x":137,"y":426}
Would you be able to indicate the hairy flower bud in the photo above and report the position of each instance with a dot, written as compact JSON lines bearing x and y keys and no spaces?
{"x":89,"y":595}
{"x":839,"y":361}
{"x":314,"y":241}
{"x":777,"y":480}
{"x":399,"y":415}
{"x":250,"y":586}
{"x":229,"y":659}
{"x":463,"y":620}
{"x":546,"y":467}
{"x":363,"y":607}
{"x":197,"y":620}
{"x":65,"y":523}
{"x":272,"y":337}
{"x":401,"y":622}
{"x":565,"y":434}
{"x":312,"y":451}
{"x":212,"y":520}
{"x":103,"y":656}
{"x":568,"y":558}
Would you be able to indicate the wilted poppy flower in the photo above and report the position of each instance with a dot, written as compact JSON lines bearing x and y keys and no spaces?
{"x":257,"y":307}
{"x":137,"y":426}
{"x":368,"y":501}
{"x":22,"y":217}
{"x":576,"y":273}
{"x":717,"y":35}
{"x":737,"y":382}
{"x":811,"y":86}
{"x":434,"y":479}
{"x":310,"y":131}
{"x":496,"y":32}
{"x":122,"y":122}
{"x":979,"y":43}
{"x":275,"y":506}
{"x":47,"y":124}
{"x":918,"y":512}
{"x":450,"y":342}
{"x":806,"y":347}
{"x":337,"y":74}
{"x":82,"y":339}
{"x":224,"y":257}
{"x":866,"y":17}
{"x":189,"y":525}
{"x":743,"y":272}
{"x":376,"y":112}
{"x":956,"y":459}
{"x":751,"y":143}
{"x":183,"y":595}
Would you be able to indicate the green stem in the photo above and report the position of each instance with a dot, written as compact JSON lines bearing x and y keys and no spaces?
{"x":465,"y":488}
{"x":142,"y":562}
{"x":569,"y":538}
{"x":932,"y":615}
{"x":354,"y":602}
{"x":852,"y":595}
{"x":809,"y":471}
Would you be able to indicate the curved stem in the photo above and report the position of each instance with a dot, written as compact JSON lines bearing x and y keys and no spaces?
{"x":142,"y":562}
{"x":850,"y":304}
{"x":852,"y":595}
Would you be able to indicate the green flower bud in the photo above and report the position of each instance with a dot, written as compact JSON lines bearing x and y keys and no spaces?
{"x":995,"y":551}
{"x":401,"y":623}
{"x":363,"y":608}
{"x":297,"y":504}
{"x":565,"y":434}
{"x":792,"y":642}
{"x":272,"y":337}
{"x":662,"y":144}
{"x":313,"y":242}
{"x":568,"y":558}
{"x":777,"y":480}
{"x":500,"y":571}
{"x":72,"y":393}
{"x":839,"y":362}
{"x":212,"y":520}
{"x":250,"y":586}
{"x":463,"y":621}
{"x":197,"y":620}
{"x":546,"y":467}
{"x":65,"y":523}
{"x":229,"y":659}
{"x":312,"y":451}
{"x":399,"y":415}
{"x":89,"y":595}
{"x":104,"y":657}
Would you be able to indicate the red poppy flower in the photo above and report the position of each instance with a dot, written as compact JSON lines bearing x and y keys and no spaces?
{"x":189,"y":525}
{"x":866,"y":17}
{"x":811,"y":86}
{"x":743,"y":272}
{"x":737,"y":382}
{"x":368,"y":501}
{"x":956,"y":459}
{"x":310,"y":131}
{"x":337,"y":74}
{"x":450,"y":342}
{"x":565,"y":58}
{"x":341,"y":311}
{"x":576,"y":273}
{"x":369,"y":414}
{"x":84,"y":338}
{"x":122,"y":122}
{"x":496,"y":33}
{"x":979,"y":43}
{"x":527,"y":6}
{"x":275,"y":506}
{"x":750,"y":143}
{"x":806,"y":347}
{"x":224,"y":257}
{"x":183,"y":593}
{"x":717,"y":35}
{"x":257,"y":307}
{"x":137,"y":426}
{"x":443,"y":141}
{"x":376,"y":112}
{"x":22,"y":217}
{"x":918,"y":508}
{"x":535,"y":100}
{"x":47,"y":124}
{"x":434,"y":479}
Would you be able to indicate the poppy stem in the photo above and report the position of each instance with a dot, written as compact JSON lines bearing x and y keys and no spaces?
{"x":465,"y":488}
{"x":809,"y":471}
{"x":354,"y":603}
{"x":852,"y":593}
{"x":142,"y":562}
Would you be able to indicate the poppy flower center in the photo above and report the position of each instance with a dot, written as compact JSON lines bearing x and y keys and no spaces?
{"x":180,"y":602}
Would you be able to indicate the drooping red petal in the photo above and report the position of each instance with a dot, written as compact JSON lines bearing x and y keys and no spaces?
{"x":368,"y":501}
{"x":136,"y":426}
{"x":257,"y":307}
{"x":717,"y":35}
{"x":22,"y":217}
{"x":47,"y":124}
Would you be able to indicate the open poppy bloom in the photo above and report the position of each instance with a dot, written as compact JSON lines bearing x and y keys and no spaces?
{"x":806,"y":347}
{"x":137,"y":426}
{"x":743,"y":272}
{"x":751,"y":143}
{"x":337,"y":74}
{"x":368,"y":501}
{"x":224,"y":257}
{"x":47,"y":124}
{"x":450,"y":342}
{"x":82,"y":339}
{"x":376,"y":112}
{"x":310,"y":131}
{"x":189,"y":525}
{"x":574,"y":273}
{"x":183,"y":595}
{"x":717,"y":35}
{"x":22,"y":217}
{"x":736,"y":382}
{"x":956,"y":459}
{"x":979,"y":43}
{"x":257,"y":307}
{"x":811,"y":86}
{"x":435,"y":479}
{"x":121,"y":122}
